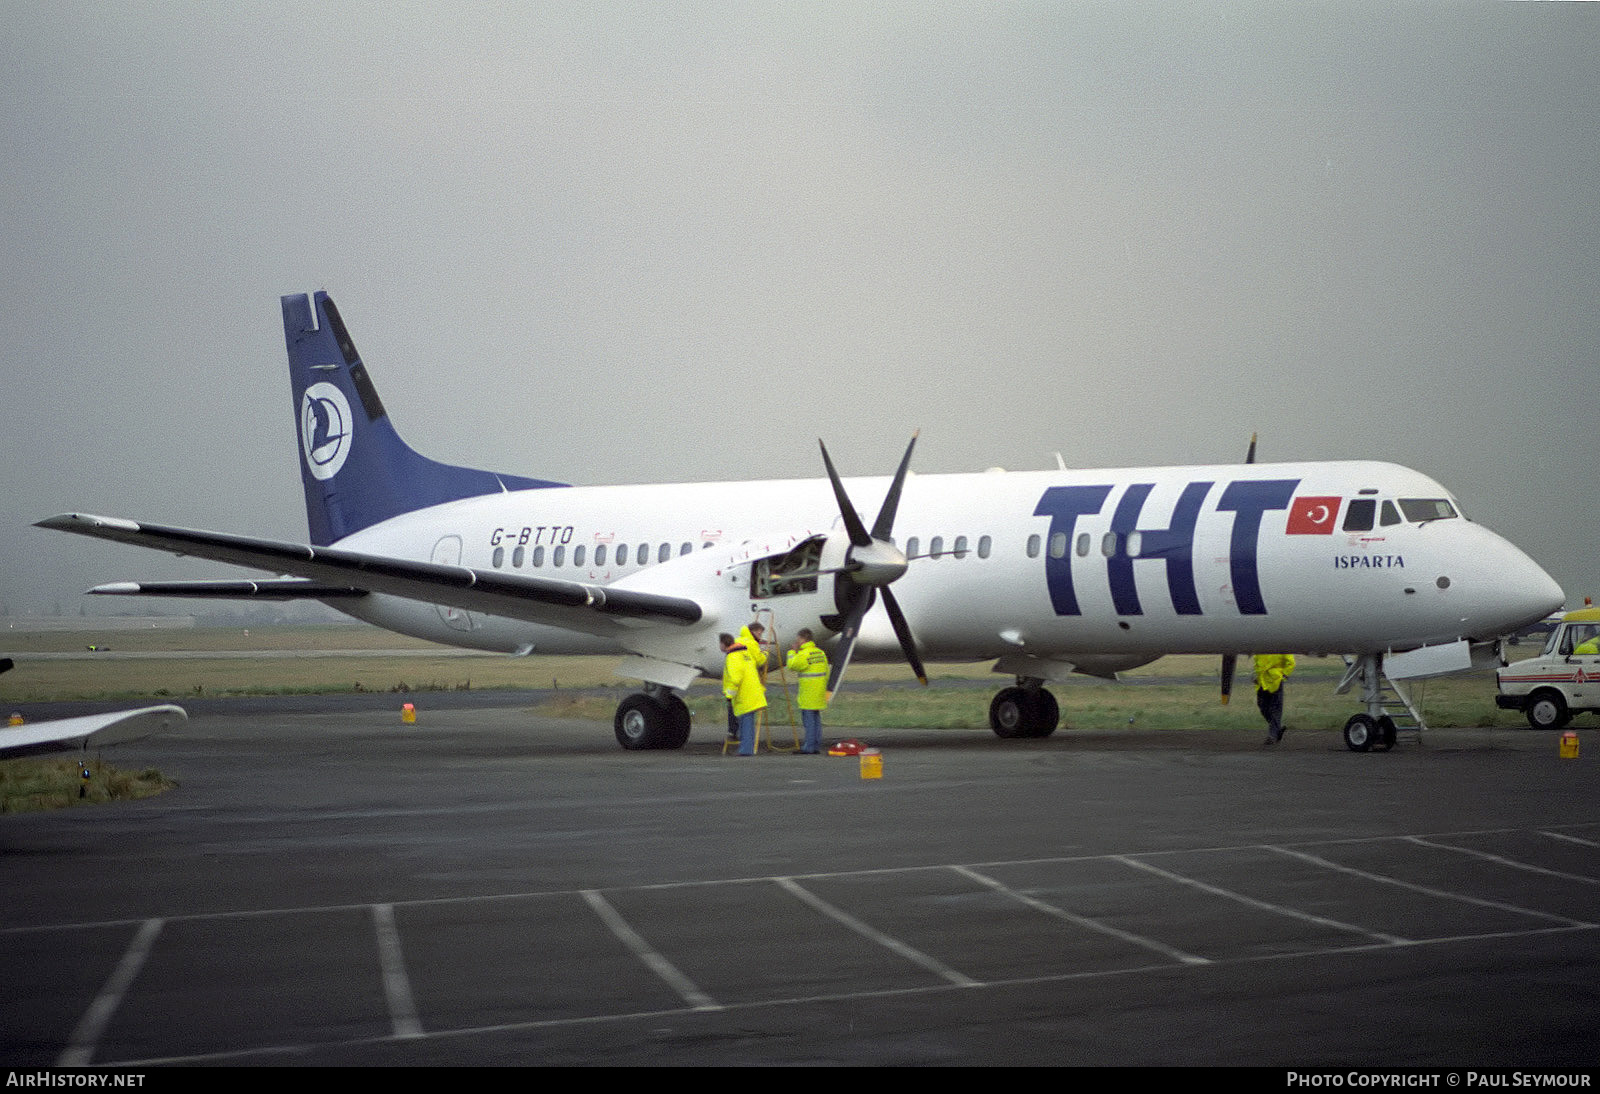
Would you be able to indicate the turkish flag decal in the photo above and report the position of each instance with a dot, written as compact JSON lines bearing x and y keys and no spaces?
{"x":1312,"y":516}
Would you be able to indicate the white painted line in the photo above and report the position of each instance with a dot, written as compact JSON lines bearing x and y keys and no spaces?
{"x":866,"y":930}
{"x":1425,"y":889}
{"x":1277,"y":909}
{"x":1082,"y":921}
{"x":1571,"y":839}
{"x":658,"y":964}
{"x":80,"y":1047}
{"x":396,"y":985}
{"x":1502,"y":861}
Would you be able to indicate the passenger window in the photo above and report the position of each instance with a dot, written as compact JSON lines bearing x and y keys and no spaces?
{"x":685,"y":549}
{"x":984,"y":545}
{"x":577,"y":555}
{"x":499,"y":557}
{"x":1358,"y":517}
{"x":664,"y":553}
{"x":1108,"y":544}
{"x":1033,"y":546}
{"x":1390,"y":515}
{"x":600,"y":555}
{"x":936,"y":546}
{"x":622,"y":554}
{"x":911,"y":547}
{"x":538,"y":556}
{"x":557,"y":556}
{"x":1135,"y":542}
{"x":960,"y":548}
{"x":1058,"y":545}
{"x":516,"y":558}
{"x":1084,"y":539}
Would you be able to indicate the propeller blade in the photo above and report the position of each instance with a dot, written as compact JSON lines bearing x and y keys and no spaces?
{"x":1250,"y":456}
{"x":847,"y":511}
{"x":902,"y":631}
{"x":847,"y":640}
{"x":891,"y":501}
{"x":1228,"y":660}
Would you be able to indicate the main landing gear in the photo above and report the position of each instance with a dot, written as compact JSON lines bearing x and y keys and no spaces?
{"x":654,"y":718}
{"x":1027,"y":710}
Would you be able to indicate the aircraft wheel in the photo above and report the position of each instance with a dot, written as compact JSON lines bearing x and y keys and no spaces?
{"x":678,"y":711}
{"x":1009,"y":713}
{"x":1548,"y":710}
{"x":1359,"y":732}
{"x":642,"y":722}
{"x":1047,"y":714}
{"x":1383,"y":740}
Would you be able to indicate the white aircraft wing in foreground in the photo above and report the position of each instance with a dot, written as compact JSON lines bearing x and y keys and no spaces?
{"x":89,"y":731}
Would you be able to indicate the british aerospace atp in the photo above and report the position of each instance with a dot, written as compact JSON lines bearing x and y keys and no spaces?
{"x":1045,"y":573}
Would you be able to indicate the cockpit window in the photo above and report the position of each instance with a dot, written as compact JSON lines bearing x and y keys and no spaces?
{"x":1420,"y":510}
{"x":1391,"y":515}
{"x":1358,"y":516}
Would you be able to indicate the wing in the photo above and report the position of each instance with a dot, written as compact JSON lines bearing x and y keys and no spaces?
{"x":90,"y":731}
{"x":590,"y":609}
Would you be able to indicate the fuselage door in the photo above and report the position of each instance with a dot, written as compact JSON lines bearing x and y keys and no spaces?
{"x":447,"y":552}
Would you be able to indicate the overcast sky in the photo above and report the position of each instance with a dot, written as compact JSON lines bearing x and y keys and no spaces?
{"x":672,"y":241}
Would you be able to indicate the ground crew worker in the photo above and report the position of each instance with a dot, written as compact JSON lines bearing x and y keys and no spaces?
{"x":812,"y":666}
{"x":1272,"y":669}
{"x":750,"y":639}
{"x":742,"y":687}
{"x":1589,"y":648}
{"x":751,"y":636}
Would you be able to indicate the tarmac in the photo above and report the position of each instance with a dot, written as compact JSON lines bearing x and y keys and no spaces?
{"x":329,"y":885}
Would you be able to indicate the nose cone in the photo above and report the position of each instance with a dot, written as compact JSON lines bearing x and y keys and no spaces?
{"x":1515,"y":590}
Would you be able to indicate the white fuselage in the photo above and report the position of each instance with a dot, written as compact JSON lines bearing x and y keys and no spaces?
{"x":1055,"y":565}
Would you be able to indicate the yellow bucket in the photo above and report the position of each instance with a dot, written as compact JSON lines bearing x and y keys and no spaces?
{"x":1569,"y":745}
{"x":408,"y":713}
{"x":871,"y":763}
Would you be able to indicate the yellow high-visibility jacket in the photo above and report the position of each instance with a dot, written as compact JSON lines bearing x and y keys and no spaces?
{"x":1272,"y":669}
{"x":812,"y":665}
{"x":757,"y":654}
{"x":741,"y":682}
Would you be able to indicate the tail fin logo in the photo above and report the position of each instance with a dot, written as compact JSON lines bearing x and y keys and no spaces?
{"x":324,"y":430}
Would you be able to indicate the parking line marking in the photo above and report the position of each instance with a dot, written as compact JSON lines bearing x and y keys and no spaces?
{"x":80,"y":1047}
{"x":1082,"y":921}
{"x":1277,"y":909}
{"x":1571,"y":839}
{"x":1503,"y":861}
{"x":1426,"y":889}
{"x":658,"y":964}
{"x":396,"y":984}
{"x":866,"y":930}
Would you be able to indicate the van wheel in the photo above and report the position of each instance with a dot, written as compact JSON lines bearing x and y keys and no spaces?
{"x":1548,"y":710}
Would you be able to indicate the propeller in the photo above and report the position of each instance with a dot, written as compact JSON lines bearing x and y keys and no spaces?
{"x":1228,"y":659}
{"x":872,"y":562}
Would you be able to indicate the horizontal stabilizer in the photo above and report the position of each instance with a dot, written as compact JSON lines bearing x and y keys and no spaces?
{"x":284,"y":589}
{"x":90,"y":731}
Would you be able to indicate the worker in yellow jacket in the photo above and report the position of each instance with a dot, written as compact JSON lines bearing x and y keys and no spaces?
{"x":811,"y":664}
{"x":742,"y":687}
{"x":1272,"y":669}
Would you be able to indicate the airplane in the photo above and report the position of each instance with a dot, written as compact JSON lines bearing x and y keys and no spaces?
{"x":1046,"y":573}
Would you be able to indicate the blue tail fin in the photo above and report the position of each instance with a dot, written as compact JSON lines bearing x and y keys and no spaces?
{"x":356,"y":469}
